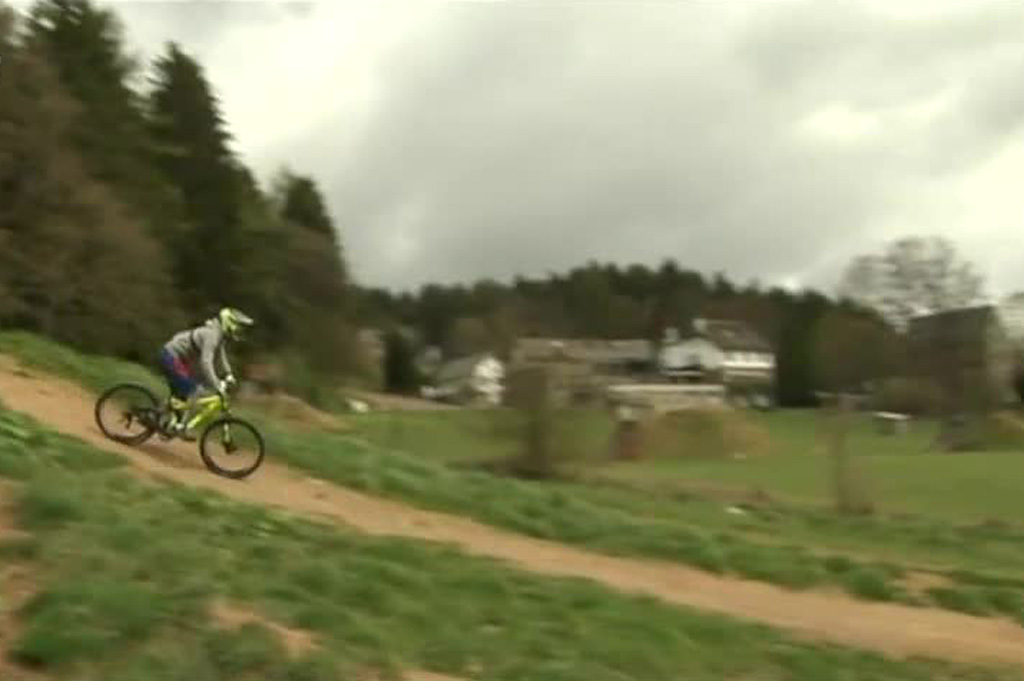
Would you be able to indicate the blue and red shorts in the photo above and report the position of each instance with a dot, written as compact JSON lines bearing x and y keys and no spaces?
{"x":178,"y":374}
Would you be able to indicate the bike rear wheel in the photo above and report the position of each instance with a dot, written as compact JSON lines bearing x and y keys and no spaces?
{"x":231,"y":440}
{"x":126,"y":405}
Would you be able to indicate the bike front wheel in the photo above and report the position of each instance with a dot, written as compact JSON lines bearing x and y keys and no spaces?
{"x":127,"y":413}
{"x":231,"y":447}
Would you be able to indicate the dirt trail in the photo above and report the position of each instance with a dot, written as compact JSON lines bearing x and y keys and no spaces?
{"x":888,"y":628}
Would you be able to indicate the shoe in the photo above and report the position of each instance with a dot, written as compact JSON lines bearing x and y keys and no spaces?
{"x":167,"y":424}
{"x":180,"y":431}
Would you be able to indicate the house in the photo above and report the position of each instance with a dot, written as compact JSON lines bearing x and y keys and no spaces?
{"x":583,"y":368}
{"x":725,"y":352}
{"x":371,"y":341}
{"x":476,"y":379}
{"x":372,"y":351}
{"x":429,"y":362}
{"x":604,"y":357}
{"x":967,"y":351}
{"x":1011,"y":312}
{"x":660,"y":398}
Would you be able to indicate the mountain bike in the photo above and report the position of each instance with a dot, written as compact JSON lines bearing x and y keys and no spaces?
{"x":132,"y":404}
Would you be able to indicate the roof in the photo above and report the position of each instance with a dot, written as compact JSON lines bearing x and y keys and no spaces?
{"x":371,"y":337}
{"x":1011,"y":312}
{"x":731,"y":335}
{"x":584,"y":350}
{"x":968,"y":324}
{"x":461,"y":368}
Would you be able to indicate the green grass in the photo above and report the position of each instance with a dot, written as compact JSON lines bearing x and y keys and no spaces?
{"x":950,"y":496}
{"x":960,"y":487}
{"x":794,"y":546}
{"x":127,"y":579}
{"x":470,"y":436}
{"x":902,"y":474}
{"x":444,"y":436}
{"x":91,"y":371}
{"x":873,"y":584}
{"x":768,"y":544}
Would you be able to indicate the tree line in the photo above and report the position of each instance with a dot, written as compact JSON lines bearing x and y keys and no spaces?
{"x":125,"y":213}
{"x":854,"y":341}
{"x":607,"y":301}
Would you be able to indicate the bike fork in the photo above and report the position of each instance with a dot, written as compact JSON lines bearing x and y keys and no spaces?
{"x":229,"y":445}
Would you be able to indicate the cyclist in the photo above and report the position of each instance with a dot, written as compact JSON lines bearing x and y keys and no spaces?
{"x":187,"y":362}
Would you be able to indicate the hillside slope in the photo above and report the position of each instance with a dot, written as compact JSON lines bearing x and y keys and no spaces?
{"x":893,"y":629}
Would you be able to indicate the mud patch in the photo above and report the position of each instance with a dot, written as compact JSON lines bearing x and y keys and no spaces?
{"x":919,"y":583}
{"x":296,"y":641}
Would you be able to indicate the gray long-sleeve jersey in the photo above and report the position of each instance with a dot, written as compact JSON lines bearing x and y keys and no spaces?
{"x":200,"y":347}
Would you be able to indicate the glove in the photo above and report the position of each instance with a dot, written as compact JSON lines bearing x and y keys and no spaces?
{"x":230,"y":380}
{"x":222,"y":388}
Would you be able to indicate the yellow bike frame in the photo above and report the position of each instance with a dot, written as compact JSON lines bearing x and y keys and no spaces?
{"x":208,"y":407}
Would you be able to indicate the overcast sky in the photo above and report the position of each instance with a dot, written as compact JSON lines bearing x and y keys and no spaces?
{"x":765,"y":138}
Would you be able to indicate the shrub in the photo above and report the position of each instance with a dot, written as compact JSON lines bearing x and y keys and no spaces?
{"x":960,"y":600}
{"x":907,"y":395}
{"x":869,"y":583}
{"x":704,"y":433}
{"x":546,"y":440}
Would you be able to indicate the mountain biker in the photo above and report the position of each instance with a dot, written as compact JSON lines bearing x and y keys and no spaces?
{"x":187,"y":362}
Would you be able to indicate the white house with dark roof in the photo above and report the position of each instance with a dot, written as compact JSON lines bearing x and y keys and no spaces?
{"x":608,"y":357}
{"x":476,"y":379}
{"x":727,"y":352}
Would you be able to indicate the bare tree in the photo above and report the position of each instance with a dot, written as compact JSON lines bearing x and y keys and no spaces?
{"x":951,"y":345}
{"x":914,"y":275}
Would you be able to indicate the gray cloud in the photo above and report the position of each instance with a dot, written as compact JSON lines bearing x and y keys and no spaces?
{"x":199,"y":23}
{"x":764,"y":139}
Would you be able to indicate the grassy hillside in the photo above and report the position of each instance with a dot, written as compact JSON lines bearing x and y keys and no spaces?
{"x":126,"y":578}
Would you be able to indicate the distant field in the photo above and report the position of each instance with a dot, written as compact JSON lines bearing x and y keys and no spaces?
{"x":976,"y":486}
{"x":943,"y":495}
{"x":465,"y":436}
{"x":901,"y":472}
{"x":444,"y":436}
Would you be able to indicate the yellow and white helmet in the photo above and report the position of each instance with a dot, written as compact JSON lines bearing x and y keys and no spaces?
{"x":234,"y":322}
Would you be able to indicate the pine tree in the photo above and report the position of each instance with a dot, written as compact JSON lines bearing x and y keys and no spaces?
{"x":193,"y":154}
{"x":85,"y":45}
{"x":303,"y":204}
{"x":72,"y":265}
{"x":316,"y":289}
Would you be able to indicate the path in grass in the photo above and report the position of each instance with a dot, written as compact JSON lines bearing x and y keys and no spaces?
{"x":298,"y":642}
{"x":889,"y":628}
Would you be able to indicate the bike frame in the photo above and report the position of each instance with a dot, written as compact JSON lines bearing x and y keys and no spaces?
{"x":209,"y":407}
